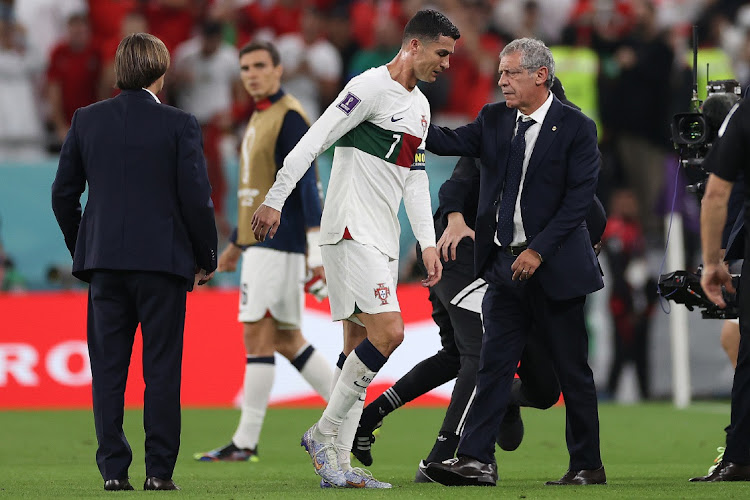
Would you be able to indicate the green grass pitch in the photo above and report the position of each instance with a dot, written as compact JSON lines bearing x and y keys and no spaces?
{"x":649,"y":451}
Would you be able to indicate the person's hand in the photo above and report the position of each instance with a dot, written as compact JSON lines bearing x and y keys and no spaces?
{"x":526,"y":264}
{"x":265,"y":222}
{"x":714,"y":278}
{"x":431,"y":260}
{"x":452,"y":236}
{"x":229,"y":258}
{"x":203,"y":277}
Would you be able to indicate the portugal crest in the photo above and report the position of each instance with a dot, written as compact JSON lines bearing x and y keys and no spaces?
{"x":382,"y":292}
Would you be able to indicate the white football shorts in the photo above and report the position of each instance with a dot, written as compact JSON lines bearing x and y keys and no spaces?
{"x":272,"y":281}
{"x":360,"y":279}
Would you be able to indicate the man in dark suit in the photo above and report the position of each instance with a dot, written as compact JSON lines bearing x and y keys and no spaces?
{"x":146,"y":234}
{"x":538,"y":175}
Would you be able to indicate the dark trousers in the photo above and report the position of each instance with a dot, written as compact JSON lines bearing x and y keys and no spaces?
{"x":738,"y":432}
{"x":510,"y":309}
{"x":118,"y":302}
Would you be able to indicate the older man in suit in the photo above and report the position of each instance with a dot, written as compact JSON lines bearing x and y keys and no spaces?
{"x":146,"y":234}
{"x":538,"y":177}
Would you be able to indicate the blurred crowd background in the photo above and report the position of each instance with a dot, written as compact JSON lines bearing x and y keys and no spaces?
{"x":625,"y":62}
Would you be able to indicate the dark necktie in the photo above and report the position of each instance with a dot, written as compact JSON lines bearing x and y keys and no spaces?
{"x":512,"y":183}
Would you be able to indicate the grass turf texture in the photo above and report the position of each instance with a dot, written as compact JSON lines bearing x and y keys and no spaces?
{"x":649,"y":451}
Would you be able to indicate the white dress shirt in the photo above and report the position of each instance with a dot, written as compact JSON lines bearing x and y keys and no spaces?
{"x":532,"y":133}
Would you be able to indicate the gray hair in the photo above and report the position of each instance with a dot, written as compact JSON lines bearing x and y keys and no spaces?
{"x":534,"y":55}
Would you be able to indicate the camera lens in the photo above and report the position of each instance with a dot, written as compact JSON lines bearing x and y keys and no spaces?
{"x":692,"y":129}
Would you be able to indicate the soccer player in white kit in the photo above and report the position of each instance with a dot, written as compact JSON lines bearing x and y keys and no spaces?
{"x":380,"y":120}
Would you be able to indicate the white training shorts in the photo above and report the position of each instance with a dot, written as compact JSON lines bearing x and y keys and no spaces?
{"x":360,"y":279}
{"x":272,"y":281}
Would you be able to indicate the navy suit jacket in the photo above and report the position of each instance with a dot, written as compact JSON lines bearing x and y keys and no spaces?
{"x":149,"y":200}
{"x":558,"y":191}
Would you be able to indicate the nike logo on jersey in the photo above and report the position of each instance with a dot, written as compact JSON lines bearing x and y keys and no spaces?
{"x":394,"y":119}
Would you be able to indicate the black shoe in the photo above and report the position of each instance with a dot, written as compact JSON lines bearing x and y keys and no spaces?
{"x":117,"y":485}
{"x":510,"y":435}
{"x":725,"y":471}
{"x":154,"y":483}
{"x":581,"y":477}
{"x":229,"y":453}
{"x":362,"y":445}
{"x":462,"y":471}
{"x":420,"y":477}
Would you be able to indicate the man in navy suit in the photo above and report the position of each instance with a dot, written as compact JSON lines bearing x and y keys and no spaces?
{"x":146,"y":234}
{"x":538,"y":176}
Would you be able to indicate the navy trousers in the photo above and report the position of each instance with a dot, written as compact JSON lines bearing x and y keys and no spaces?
{"x":118,"y":302}
{"x":513,"y":310}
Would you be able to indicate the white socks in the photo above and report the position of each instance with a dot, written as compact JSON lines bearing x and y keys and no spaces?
{"x":259,"y":376}
{"x":351,"y":385}
{"x":316,"y":371}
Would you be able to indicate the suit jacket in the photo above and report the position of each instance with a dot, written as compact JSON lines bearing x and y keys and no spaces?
{"x":557,"y":194}
{"x":149,"y":200}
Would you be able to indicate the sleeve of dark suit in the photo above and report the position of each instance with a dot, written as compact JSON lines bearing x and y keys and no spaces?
{"x":582,"y":176}
{"x":194,"y":192}
{"x":460,"y":193}
{"x":463,"y":141}
{"x":69,"y":184}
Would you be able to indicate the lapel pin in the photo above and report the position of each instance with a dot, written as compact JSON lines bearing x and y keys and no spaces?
{"x":554,"y":128}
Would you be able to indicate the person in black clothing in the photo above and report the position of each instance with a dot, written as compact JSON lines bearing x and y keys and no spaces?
{"x":732,"y":157}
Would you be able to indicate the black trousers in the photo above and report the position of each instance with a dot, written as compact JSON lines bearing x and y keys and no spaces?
{"x":738,"y":432}
{"x":461,"y":340}
{"x":513,"y":310}
{"x":118,"y":302}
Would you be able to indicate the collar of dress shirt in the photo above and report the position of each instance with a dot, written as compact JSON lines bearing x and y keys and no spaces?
{"x":540,"y":113}
{"x":153,"y":95}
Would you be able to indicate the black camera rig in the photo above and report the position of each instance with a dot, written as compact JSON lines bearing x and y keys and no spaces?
{"x":684,"y":287}
{"x":693,"y":134}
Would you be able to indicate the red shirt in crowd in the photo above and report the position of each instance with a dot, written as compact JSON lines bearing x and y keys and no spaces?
{"x":77,"y":72}
{"x":172,"y":25}
{"x":106,"y":17}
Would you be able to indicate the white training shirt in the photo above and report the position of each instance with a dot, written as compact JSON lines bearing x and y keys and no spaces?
{"x":379,"y":160}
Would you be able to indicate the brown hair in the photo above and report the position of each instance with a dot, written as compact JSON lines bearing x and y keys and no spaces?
{"x":262,"y":45}
{"x":141,"y":59}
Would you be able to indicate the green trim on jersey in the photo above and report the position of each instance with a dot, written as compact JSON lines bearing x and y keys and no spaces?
{"x":380,"y":143}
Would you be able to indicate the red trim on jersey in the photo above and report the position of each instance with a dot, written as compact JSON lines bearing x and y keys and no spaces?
{"x":408,"y":150}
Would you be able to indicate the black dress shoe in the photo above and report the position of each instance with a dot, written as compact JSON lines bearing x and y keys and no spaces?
{"x":510,"y":435}
{"x":581,"y":477}
{"x":461,"y":471}
{"x":117,"y":485}
{"x":154,"y":483}
{"x":725,"y":471}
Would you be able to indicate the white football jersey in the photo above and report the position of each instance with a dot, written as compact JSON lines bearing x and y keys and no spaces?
{"x":378,"y":160}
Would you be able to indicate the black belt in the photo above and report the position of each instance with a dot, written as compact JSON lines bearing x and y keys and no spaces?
{"x":515,"y":251}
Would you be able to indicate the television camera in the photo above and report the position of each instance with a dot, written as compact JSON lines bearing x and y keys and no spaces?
{"x":693,"y":134}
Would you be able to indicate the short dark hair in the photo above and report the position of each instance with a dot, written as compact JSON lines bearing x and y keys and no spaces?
{"x":429,"y":25}
{"x":141,"y":59}
{"x":262,"y":45}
